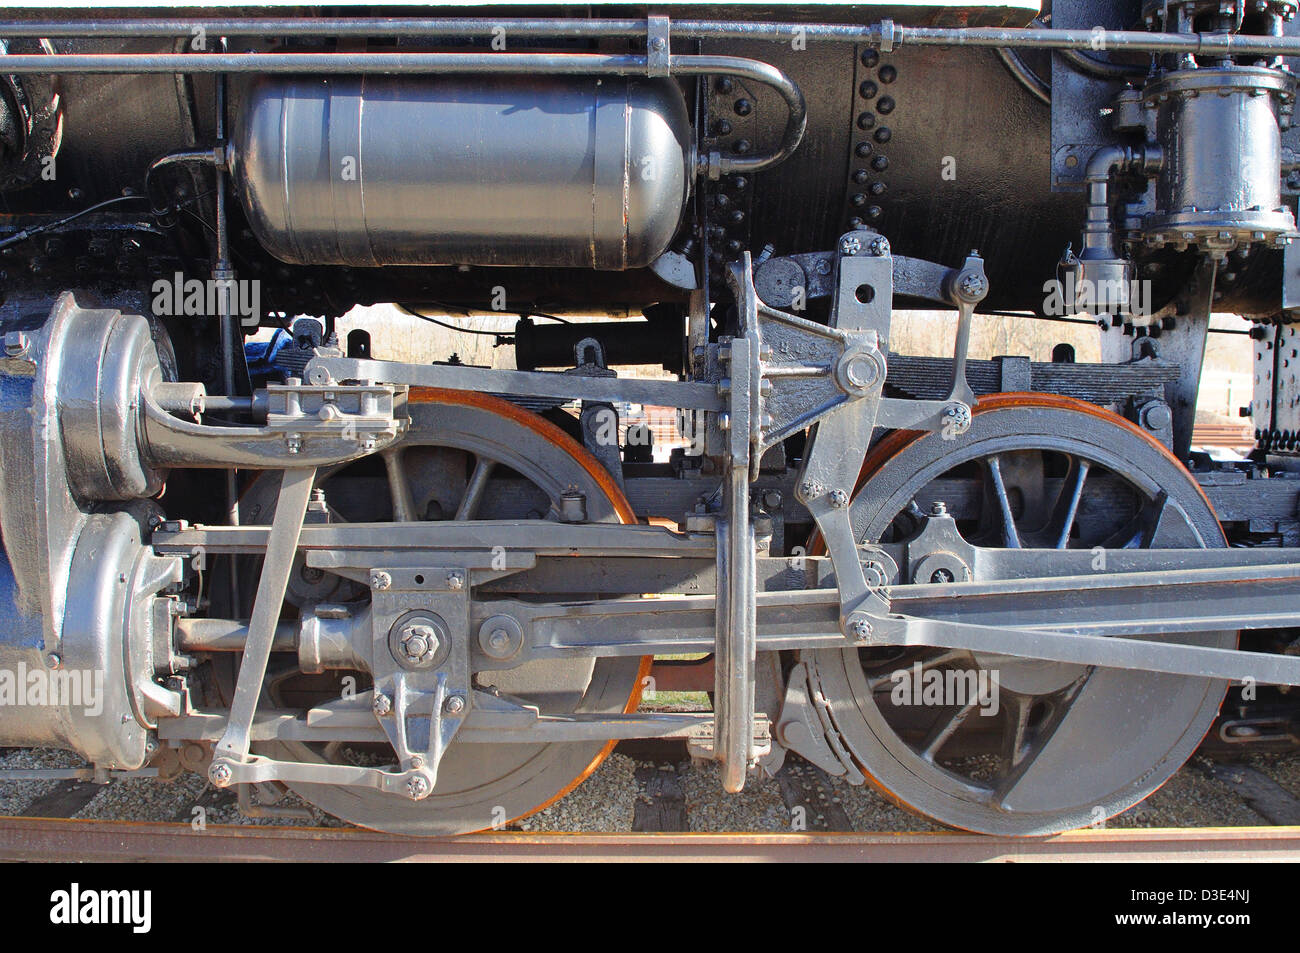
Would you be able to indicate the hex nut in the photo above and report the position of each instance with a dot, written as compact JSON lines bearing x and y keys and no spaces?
{"x":417,"y":787}
{"x":220,"y":774}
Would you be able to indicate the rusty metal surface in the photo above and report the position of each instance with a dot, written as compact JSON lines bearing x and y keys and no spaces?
{"x":62,"y":840}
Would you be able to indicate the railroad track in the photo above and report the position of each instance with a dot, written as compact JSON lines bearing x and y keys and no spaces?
{"x":48,"y":839}
{"x":660,"y":828}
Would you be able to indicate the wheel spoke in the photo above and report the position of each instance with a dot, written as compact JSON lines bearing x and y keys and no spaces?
{"x":475,"y":488}
{"x":1148,"y":524}
{"x":886,"y":681}
{"x":1129,"y":536}
{"x":1067,"y":503}
{"x":943,"y":731}
{"x":1168,"y":526}
{"x":1018,"y":708}
{"x":399,"y":488}
{"x":1010,"y":538}
{"x":1152,"y":516}
{"x":1039,"y":747}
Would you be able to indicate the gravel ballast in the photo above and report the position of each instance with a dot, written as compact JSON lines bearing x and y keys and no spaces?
{"x":608,"y":800}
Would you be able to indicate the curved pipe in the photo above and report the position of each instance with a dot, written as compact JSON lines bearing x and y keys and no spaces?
{"x":796,"y":121}
{"x":171,"y":442}
{"x":534,"y":64}
{"x":1101,"y":69}
{"x":1098,"y":232}
{"x":184,"y":157}
{"x":1028,"y":78}
{"x":1104,"y":161}
{"x":1082,"y":62}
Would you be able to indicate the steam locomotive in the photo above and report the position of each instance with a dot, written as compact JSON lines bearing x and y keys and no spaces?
{"x":427,"y":597}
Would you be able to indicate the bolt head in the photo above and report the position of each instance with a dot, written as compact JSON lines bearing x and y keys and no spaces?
{"x":850,"y":245}
{"x":220,"y":774}
{"x":860,"y":628}
{"x":839,"y":498}
{"x":455,"y":581}
{"x":973,"y":285}
{"x":875,"y":574}
{"x":942,"y":575}
{"x":862,"y":371}
{"x":454,"y":705}
{"x":957,"y":416}
{"x":938,"y":508}
{"x":381,"y":704}
{"x":880,"y":246}
{"x":1157,"y":416}
{"x":380,"y":580}
{"x":418,"y":788}
{"x":499,"y":639}
{"x":418,"y":641}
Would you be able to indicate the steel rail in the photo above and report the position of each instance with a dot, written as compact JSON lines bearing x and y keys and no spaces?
{"x":79,"y":840}
{"x":885,"y":34}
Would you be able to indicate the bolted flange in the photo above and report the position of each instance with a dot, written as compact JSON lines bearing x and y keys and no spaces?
{"x":500,"y":637}
{"x":419,"y":640}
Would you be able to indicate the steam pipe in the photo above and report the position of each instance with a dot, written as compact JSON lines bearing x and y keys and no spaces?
{"x":885,"y":34}
{"x":533,"y":64}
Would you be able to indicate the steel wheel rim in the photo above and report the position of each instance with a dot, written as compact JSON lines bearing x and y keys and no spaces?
{"x":1189,"y":705}
{"x":538,"y":774}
